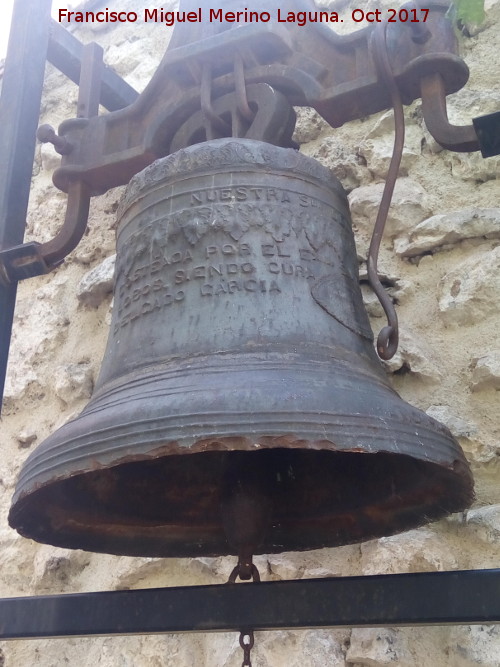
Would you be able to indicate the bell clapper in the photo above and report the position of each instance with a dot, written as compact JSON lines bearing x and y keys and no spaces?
{"x":246,"y":511}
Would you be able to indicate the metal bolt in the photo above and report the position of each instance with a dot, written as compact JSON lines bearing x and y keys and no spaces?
{"x":47,"y":135}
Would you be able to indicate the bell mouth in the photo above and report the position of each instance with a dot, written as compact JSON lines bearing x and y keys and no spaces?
{"x":172,"y":506}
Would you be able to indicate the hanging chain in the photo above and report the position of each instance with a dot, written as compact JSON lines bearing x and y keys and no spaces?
{"x":245,"y":570}
{"x":246,"y":643}
{"x":215,"y":126}
{"x":241,"y":89}
{"x":213,"y":122}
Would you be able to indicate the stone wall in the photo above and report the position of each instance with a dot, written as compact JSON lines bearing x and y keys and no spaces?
{"x":441,"y":260}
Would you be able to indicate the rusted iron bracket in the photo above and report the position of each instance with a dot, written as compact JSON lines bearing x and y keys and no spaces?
{"x":460,"y":138}
{"x":310,"y":65}
{"x":31,"y":259}
{"x":424,"y":598}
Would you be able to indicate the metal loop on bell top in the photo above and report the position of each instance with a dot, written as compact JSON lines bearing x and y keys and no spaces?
{"x":213,"y":121}
{"x":241,"y":89}
{"x":215,"y":125}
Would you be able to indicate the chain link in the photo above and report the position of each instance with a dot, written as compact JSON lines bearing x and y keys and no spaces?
{"x":246,"y":643}
{"x":245,"y":570}
{"x":238,"y":571}
{"x":214,"y":124}
{"x":241,"y":89}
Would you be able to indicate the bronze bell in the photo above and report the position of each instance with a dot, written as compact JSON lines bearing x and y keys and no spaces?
{"x":241,"y":407}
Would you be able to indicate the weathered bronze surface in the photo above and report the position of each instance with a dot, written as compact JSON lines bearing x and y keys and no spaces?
{"x":240,"y":365}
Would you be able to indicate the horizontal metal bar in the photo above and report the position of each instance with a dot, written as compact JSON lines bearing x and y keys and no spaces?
{"x":428,"y":598}
{"x":66,"y":52}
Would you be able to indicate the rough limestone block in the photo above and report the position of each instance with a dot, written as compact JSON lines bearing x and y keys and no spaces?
{"x":311,"y":564}
{"x":414,"y":357}
{"x":486,"y":372}
{"x":323,"y":647}
{"x":371,"y":302}
{"x":457,"y":426}
{"x":377,"y":147}
{"x":472,"y":167}
{"x":398,"y":290}
{"x":441,"y":232}
{"x":125,"y":60}
{"x":309,"y":125}
{"x":40,"y":326}
{"x":409,"y":207}
{"x":471,"y":102}
{"x":377,"y":647}
{"x":16,"y":564}
{"x":74,"y":382}
{"x":343,"y":161}
{"x":47,"y":215}
{"x":97,"y":284}
{"x":26,"y":437}
{"x":54,"y":567}
{"x":471,"y":292}
{"x":205,"y":566}
{"x":474,"y":646}
{"x":50,"y":159}
{"x":314,"y":648}
{"x":485,"y":523}
{"x":125,"y":576}
{"x":491,"y":4}
{"x":422,"y":550}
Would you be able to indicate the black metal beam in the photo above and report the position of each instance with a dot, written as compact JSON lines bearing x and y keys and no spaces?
{"x":66,"y":51}
{"x":19,"y":111}
{"x":429,"y":598}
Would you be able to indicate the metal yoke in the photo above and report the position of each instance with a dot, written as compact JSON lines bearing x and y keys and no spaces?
{"x":306,"y":65}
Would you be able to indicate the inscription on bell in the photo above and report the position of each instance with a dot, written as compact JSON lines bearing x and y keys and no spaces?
{"x":213,"y":270}
{"x":240,"y":193}
{"x":237,"y":286}
{"x":220,"y":242}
